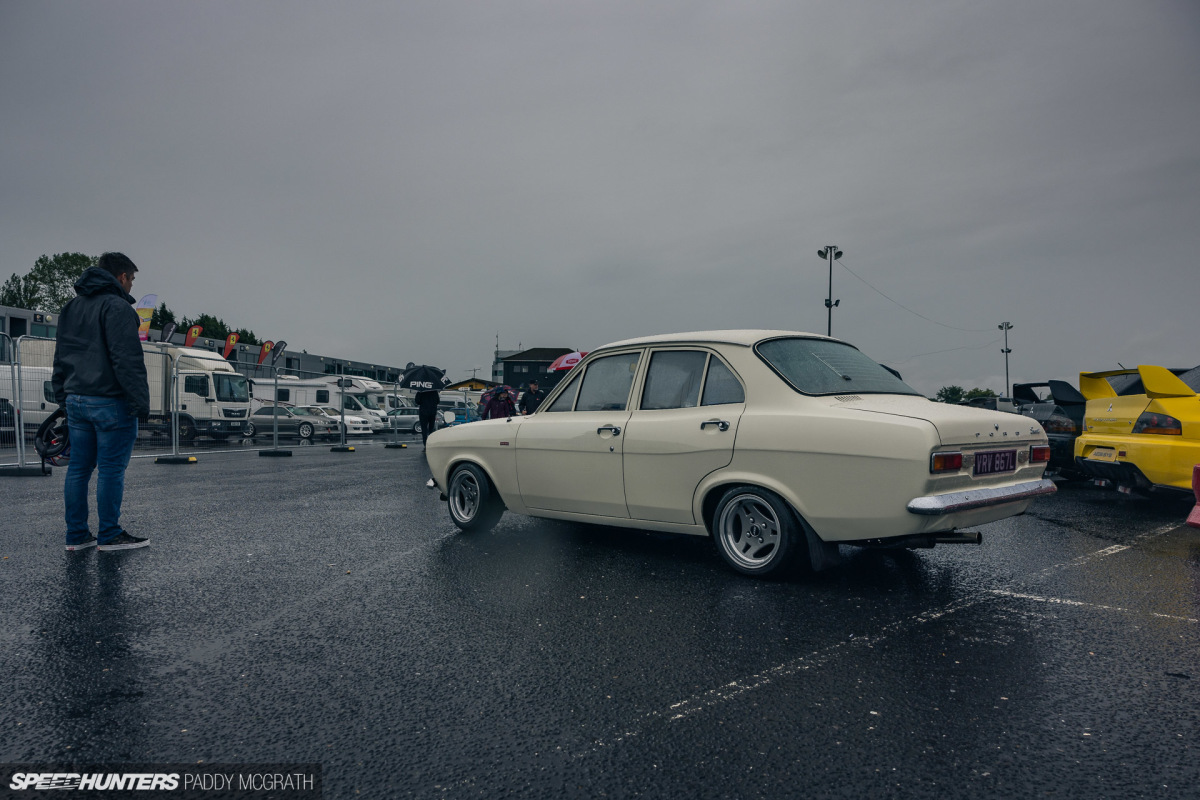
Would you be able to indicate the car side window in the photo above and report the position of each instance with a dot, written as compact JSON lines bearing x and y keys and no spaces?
{"x":607,"y":382}
{"x":263,"y":412}
{"x":673,"y":379}
{"x":721,"y":386}
{"x":566,"y":400}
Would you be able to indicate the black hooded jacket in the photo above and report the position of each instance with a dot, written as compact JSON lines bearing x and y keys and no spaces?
{"x":98,"y":352}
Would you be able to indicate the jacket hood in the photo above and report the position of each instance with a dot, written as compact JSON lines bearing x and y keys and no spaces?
{"x":96,"y":281}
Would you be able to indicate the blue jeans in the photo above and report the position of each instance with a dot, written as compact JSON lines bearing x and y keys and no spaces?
{"x":102,"y":434}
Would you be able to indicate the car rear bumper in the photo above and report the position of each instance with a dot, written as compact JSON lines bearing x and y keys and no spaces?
{"x":939,"y":504}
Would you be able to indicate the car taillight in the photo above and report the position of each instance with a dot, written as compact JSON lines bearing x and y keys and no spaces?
{"x":945,"y":462}
{"x":1058,"y":423}
{"x":1039,"y":454}
{"x":1158,"y":423}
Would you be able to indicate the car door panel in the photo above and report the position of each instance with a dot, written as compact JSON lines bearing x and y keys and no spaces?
{"x":572,"y":462}
{"x":668,"y":452}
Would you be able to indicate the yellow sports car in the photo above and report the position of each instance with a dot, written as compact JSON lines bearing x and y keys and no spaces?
{"x":1141,"y":429}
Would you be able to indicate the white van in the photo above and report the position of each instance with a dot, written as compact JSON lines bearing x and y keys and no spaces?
{"x":292,"y":390}
{"x":360,"y":397}
{"x":37,"y":393}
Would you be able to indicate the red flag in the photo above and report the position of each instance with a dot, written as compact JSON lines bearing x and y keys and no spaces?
{"x":229,"y":343}
{"x":192,"y":335}
{"x":266,"y":348}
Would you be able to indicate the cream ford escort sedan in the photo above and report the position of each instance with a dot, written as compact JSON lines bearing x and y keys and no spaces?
{"x":780,"y":445}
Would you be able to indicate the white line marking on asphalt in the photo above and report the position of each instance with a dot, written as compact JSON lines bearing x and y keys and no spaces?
{"x":1081,"y":604}
{"x":733,"y":689}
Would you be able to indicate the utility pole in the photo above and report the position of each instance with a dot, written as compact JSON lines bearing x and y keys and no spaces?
{"x":1006,"y":327}
{"x":830,"y":254}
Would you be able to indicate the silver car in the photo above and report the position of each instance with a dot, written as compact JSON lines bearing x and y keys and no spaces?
{"x":292,"y":422}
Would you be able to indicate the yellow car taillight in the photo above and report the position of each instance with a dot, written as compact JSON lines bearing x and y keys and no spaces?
{"x":1158,"y":423}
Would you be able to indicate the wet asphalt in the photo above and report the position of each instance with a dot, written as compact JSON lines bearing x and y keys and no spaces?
{"x":324,"y":609}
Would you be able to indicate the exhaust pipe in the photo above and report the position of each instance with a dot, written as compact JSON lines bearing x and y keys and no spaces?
{"x":967,"y":537}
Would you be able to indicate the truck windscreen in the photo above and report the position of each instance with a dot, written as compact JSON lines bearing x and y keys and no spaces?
{"x":231,"y":388}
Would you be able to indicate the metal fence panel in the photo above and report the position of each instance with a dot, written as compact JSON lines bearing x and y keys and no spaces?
{"x":199,"y":403}
{"x":8,"y":404}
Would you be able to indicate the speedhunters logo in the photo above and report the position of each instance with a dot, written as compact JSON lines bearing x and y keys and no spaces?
{"x":100,"y":781}
{"x":176,"y":781}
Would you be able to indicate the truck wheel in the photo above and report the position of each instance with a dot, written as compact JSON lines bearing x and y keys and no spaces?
{"x":187,"y":431}
{"x":306,"y":430}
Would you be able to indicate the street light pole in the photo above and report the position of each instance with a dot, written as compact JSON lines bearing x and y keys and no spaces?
{"x":830,"y":254}
{"x":1006,"y":327}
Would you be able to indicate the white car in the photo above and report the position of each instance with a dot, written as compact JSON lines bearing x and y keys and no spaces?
{"x":780,"y":445}
{"x":355,"y":425}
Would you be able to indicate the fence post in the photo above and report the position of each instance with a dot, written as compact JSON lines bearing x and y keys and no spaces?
{"x":342,"y":448}
{"x":172,"y":396}
{"x":275,"y":451}
{"x":393,"y":421}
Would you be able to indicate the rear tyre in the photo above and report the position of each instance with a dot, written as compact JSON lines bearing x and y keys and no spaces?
{"x":756,"y":532}
{"x":249,"y":431}
{"x":474,"y":504}
{"x":187,"y":431}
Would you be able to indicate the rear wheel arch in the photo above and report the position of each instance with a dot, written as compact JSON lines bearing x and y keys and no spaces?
{"x":816,"y":555}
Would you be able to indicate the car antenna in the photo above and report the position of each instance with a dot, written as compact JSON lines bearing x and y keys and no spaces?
{"x":1119,"y":364}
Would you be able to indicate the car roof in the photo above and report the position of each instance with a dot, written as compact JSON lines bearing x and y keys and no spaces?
{"x":743,"y":338}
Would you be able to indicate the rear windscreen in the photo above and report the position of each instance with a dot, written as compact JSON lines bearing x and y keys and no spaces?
{"x":819,"y":366}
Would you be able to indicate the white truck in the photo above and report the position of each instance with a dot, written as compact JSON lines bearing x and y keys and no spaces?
{"x":214,"y":399}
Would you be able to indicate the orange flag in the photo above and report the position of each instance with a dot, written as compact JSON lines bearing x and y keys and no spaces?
{"x":192,"y":335}
{"x":229,"y":343}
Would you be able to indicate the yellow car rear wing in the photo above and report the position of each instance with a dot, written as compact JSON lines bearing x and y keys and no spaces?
{"x":1161,"y":382}
{"x":1093,"y":385}
{"x":1157,"y":381}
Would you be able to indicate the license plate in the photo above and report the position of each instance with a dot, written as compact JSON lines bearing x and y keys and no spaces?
{"x":995,"y":461}
{"x":1103,"y":454}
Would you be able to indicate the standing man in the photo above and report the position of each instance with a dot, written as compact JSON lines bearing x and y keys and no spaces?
{"x":427,"y":410}
{"x":100,"y":379}
{"x":532,"y":398}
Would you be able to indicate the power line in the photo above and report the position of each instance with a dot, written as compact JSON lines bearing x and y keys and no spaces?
{"x":906,"y":308}
{"x":906,"y":359}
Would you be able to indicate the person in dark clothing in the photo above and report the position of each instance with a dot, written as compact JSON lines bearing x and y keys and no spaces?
{"x":100,"y":380}
{"x":532,"y":398}
{"x":498,"y":404}
{"x":427,"y":411}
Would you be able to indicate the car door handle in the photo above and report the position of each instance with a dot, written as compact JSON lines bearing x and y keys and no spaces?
{"x":720,"y":423}
{"x":616,"y":431}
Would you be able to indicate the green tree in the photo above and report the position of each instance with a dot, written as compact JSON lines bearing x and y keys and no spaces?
{"x":162,"y":315}
{"x":246,"y":336}
{"x":19,"y":291}
{"x":55,"y":277}
{"x":977,"y":392}
{"x":949,"y":394}
{"x":213,"y":328}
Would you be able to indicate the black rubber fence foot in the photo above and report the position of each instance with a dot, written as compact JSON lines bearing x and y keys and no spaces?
{"x":175,"y":460}
{"x":275,"y":453}
{"x":24,"y":472}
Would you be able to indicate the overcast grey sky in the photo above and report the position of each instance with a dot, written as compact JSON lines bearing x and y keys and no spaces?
{"x":399,"y":181}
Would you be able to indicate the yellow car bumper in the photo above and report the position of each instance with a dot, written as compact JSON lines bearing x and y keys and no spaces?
{"x":1163,"y":460}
